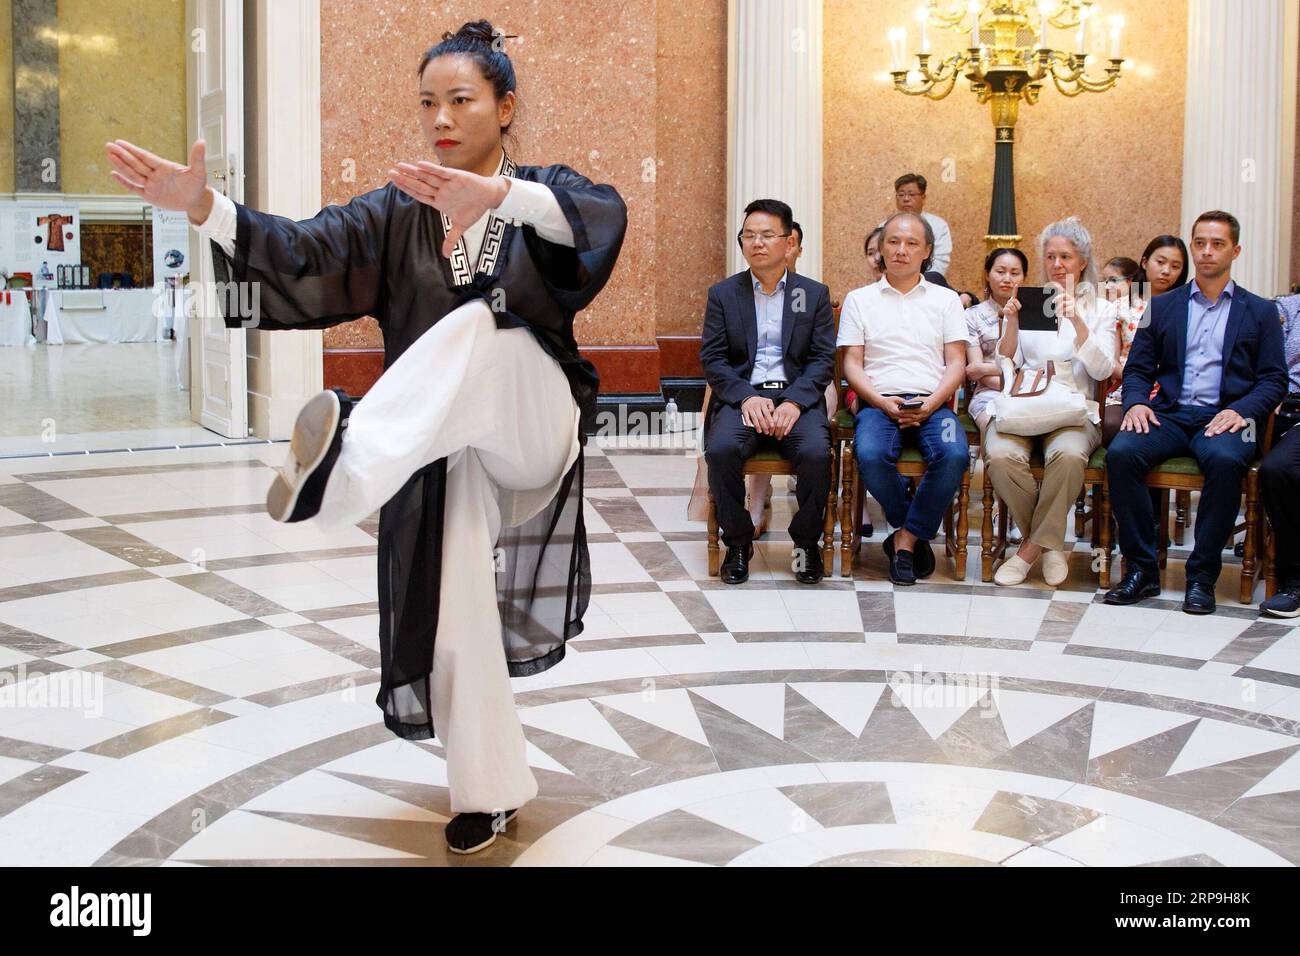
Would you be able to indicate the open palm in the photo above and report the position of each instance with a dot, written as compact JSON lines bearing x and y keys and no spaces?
{"x":159,"y":181}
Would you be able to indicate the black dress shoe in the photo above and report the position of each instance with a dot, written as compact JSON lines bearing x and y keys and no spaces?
{"x":1199,"y":598}
{"x":735,"y":566}
{"x":1137,"y":584}
{"x":811,"y":569}
{"x":923,"y":558}
{"x":471,"y":832}
{"x":299,"y":485}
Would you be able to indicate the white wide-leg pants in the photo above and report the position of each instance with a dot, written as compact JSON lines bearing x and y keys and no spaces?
{"x":500,"y":410}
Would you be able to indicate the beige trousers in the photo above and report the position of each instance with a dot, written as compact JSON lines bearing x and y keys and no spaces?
{"x":1040,"y":513}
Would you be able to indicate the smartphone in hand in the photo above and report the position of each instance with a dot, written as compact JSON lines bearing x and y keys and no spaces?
{"x":912,"y":404}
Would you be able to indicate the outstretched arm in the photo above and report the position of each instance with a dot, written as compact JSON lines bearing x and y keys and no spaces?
{"x":272,"y":272}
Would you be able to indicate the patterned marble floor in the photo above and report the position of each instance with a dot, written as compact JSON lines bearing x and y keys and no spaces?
{"x":226,"y":669}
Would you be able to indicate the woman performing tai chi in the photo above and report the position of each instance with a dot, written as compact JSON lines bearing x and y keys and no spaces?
{"x":471,"y":439}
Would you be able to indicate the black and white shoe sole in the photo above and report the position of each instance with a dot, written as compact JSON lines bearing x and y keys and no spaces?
{"x":296,"y":492}
{"x":1272,"y":613}
{"x":492,"y":838}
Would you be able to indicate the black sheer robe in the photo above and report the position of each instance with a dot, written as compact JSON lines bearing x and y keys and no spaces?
{"x":380,"y":255}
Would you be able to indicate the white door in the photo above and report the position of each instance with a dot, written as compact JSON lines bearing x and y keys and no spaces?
{"x":214,"y":81}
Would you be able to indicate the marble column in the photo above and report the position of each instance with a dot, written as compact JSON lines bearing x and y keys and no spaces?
{"x":36,"y":96}
{"x":774,"y":108}
{"x":1235,"y":131}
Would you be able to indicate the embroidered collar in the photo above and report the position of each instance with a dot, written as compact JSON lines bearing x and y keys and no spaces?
{"x":461,"y":272}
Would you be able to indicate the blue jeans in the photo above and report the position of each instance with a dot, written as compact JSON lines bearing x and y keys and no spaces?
{"x":877,"y":443}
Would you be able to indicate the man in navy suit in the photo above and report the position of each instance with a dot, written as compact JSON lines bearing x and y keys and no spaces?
{"x":1201,"y":380}
{"x":768,"y":351}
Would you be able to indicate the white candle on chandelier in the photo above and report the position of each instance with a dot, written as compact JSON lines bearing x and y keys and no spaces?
{"x":974,"y":23}
{"x":895,"y":51}
{"x":922,"y":15}
{"x":1042,"y":24}
{"x":1116,"y":29}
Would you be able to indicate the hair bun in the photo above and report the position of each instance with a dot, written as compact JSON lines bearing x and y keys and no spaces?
{"x":475,"y":30}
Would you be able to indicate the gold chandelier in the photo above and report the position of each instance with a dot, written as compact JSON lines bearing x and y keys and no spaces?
{"x":1009,"y":59}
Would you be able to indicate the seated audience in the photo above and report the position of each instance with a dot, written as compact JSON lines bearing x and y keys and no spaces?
{"x":1082,"y":350}
{"x":1205,"y":371}
{"x":1279,"y":476}
{"x":768,"y":351}
{"x":906,"y":356}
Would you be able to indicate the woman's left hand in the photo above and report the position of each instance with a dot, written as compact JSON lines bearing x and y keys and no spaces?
{"x":1065,"y":306}
{"x":462,"y":195}
{"x":1068,"y":308}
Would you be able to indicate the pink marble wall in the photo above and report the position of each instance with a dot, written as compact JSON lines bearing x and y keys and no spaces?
{"x":1114,"y":159}
{"x":586,"y":90}
{"x":691,"y":164}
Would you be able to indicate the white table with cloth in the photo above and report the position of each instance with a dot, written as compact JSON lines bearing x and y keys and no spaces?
{"x":15,"y":319}
{"x":103,"y":315}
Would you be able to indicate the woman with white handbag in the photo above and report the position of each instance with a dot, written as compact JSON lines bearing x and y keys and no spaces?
{"x":1050,"y":379}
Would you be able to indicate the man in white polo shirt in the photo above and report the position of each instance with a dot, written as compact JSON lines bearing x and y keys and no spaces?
{"x":906,"y":341}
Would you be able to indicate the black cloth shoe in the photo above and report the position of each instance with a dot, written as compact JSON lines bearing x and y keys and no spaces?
{"x":813,"y":569}
{"x":1285,"y":603}
{"x":1199,"y":598}
{"x":471,"y":832}
{"x":923,"y":558}
{"x":1137,"y":584}
{"x":735,"y":566}
{"x":902,"y":569}
{"x":296,"y":492}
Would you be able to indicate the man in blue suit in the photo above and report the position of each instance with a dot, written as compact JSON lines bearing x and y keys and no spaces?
{"x":1202,"y":377}
{"x":768,"y":351}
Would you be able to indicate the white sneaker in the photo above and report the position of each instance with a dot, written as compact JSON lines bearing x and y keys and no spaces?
{"x":1014,"y":570}
{"x":1056,"y":567}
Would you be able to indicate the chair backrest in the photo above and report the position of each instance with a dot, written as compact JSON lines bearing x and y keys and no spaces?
{"x":841,"y":386}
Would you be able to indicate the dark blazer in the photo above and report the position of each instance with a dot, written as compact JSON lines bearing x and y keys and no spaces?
{"x":730,"y":340}
{"x":1254,"y":363}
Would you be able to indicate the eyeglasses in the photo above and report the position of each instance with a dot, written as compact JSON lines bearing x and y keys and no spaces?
{"x":909,"y":195}
{"x":749,"y":238}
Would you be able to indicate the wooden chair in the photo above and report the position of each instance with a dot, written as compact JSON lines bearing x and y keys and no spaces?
{"x":911,"y":465}
{"x":993,"y":546}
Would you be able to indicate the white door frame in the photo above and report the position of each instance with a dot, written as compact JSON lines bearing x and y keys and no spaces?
{"x":215,"y":98}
